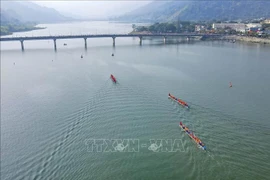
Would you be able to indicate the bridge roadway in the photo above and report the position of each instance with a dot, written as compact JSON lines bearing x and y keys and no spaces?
{"x":113,"y":36}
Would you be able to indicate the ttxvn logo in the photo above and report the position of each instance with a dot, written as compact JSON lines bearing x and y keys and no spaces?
{"x":134,"y":145}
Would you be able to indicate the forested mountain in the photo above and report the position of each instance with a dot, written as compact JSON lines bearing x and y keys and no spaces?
{"x":24,"y":15}
{"x":26,"y":11}
{"x":7,"y":18}
{"x":198,"y":10}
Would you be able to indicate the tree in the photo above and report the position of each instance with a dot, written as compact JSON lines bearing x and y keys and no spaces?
{"x":141,"y":28}
{"x":178,"y":24}
{"x":255,"y":21}
{"x":265,"y":26}
{"x":170,"y":28}
{"x":152,"y":28}
{"x":209,"y":26}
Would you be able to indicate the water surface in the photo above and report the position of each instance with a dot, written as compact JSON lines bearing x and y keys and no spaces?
{"x":51,"y":102}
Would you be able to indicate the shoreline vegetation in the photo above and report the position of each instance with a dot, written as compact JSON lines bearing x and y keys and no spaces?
{"x":9,"y":29}
{"x":230,"y":38}
{"x":246,"y":39}
{"x":226,"y":33}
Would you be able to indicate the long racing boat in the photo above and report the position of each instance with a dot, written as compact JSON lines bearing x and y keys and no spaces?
{"x":113,"y":78}
{"x":179,"y":101}
{"x":192,"y":136}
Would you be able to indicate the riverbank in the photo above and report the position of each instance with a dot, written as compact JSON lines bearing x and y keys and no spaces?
{"x":247,"y":39}
{"x":139,"y":33}
{"x":10,"y":29}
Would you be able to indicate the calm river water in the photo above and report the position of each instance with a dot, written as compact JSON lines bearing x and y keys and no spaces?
{"x":61,"y":114}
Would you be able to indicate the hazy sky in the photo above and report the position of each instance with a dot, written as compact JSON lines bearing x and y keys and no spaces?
{"x":94,"y":8}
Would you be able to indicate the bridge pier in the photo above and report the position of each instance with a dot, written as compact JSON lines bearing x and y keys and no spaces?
{"x":85,"y":43}
{"x":113,"y":41}
{"x":22,"y":45}
{"x":164,"y":39}
{"x":55,"y":48}
{"x":140,"y":40}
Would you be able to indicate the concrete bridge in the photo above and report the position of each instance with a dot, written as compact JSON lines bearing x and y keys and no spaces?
{"x":113,"y":36}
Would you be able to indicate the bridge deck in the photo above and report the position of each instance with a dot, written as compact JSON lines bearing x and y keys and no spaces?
{"x":100,"y":36}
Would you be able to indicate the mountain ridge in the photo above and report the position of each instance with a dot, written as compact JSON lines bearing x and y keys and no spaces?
{"x":160,"y":11}
{"x":26,"y":11}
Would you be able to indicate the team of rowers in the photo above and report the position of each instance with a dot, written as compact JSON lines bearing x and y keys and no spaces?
{"x":183,"y":103}
{"x":190,"y":133}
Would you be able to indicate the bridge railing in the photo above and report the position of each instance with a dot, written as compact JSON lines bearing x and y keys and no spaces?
{"x":99,"y":35}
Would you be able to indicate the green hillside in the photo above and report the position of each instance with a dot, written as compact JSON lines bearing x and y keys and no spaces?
{"x":9,"y":24}
{"x":23,"y":16}
{"x":198,"y":10}
{"x":26,"y":11}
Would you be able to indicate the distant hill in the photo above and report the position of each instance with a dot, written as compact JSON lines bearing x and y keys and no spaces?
{"x":26,"y":11}
{"x":159,"y":11}
{"x":9,"y":24}
{"x":6,"y":18}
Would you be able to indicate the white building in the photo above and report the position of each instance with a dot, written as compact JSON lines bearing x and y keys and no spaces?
{"x":199,"y":28}
{"x":267,"y":21}
{"x":253,"y":25}
{"x":240,"y":27}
